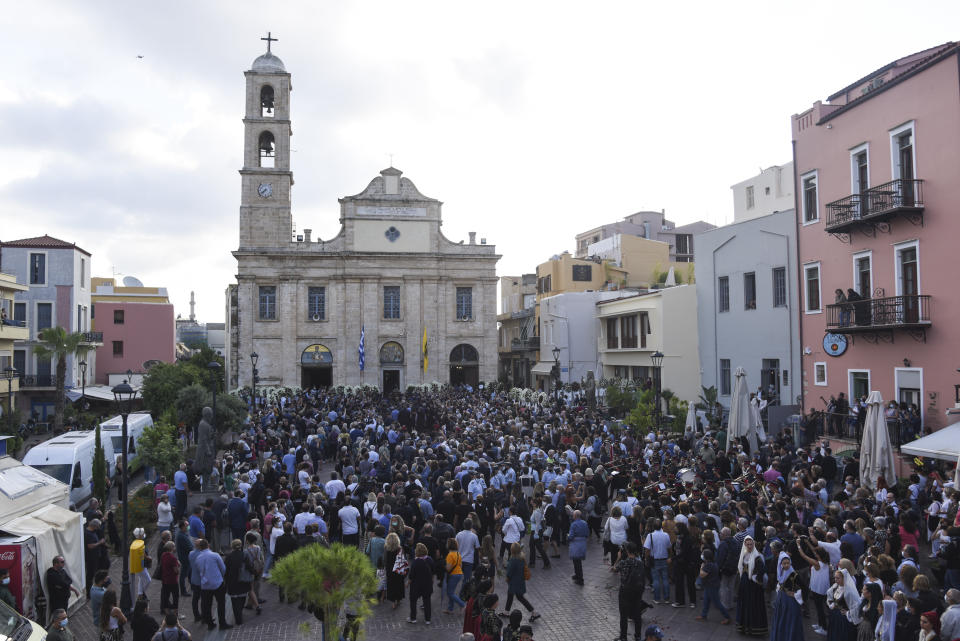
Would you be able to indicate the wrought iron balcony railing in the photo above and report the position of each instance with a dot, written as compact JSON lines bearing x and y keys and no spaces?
{"x":873,"y":314}
{"x":876,"y":206}
{"x":529,"y":343}
{"x":38,"y":380}
{"x":93,"y":337}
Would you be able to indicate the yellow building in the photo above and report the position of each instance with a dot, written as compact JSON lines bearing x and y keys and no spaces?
{"x":105,"y":290}
{"x":11,"y":329}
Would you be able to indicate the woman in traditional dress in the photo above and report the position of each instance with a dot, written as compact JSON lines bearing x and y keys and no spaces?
{"x":787,"y":614}
{"x":887,"y":625}
{"x":751,"y":608}
{"x":843,"y":602}
{"x":870,"y":610}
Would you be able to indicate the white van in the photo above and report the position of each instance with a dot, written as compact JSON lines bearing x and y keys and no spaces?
{"x":112,"y":431}
{"x":69,"y":459}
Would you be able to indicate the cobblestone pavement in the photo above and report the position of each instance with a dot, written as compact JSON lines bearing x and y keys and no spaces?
{"x":570,"y":613}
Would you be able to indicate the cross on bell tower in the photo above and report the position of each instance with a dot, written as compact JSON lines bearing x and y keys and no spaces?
{"x":269,"y":40}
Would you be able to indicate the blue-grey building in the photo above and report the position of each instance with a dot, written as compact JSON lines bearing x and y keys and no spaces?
{"x":747,"y":306}
{"x":58,"y":276}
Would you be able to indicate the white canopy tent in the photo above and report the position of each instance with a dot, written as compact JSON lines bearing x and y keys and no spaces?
{"x":944,"y":444}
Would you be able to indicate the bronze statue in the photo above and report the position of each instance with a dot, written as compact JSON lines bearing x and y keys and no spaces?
{"x":590,"y":390}
{"x":206,"y":443}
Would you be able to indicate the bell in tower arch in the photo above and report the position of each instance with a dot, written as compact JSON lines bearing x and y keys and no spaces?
{"x":266,"y":145}
{"x":266,"y":101}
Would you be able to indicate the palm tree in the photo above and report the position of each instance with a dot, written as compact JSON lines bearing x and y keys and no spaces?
{"x":57,"y":343}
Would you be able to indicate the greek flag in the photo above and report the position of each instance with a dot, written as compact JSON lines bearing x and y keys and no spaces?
{"x":360,"y":359}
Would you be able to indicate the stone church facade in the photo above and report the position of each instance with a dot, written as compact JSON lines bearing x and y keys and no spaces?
{"x":426,"y":306}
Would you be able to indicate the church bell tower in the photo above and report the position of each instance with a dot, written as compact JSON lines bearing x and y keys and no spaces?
{"x":266,"y":179}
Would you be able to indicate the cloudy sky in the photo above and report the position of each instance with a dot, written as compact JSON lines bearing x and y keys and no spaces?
{"x":530,"y":120}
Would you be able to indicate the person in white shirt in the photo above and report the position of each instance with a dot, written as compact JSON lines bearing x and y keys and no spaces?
{"x":349,"y":524}
{"x":304,"y":477}
{"x":334,"y":486}
{"x":513,"y":529}
{"x":164,"y":513}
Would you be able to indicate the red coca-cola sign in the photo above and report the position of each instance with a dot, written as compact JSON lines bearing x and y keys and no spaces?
{"x":8,"y":555}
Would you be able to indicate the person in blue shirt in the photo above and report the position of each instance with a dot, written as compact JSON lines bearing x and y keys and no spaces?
{"x":194,"y":571}
{"x":197,"y":530}
{"x":290,"y":461}
{"x":237,"y":515}
{"x":181,"y":489}
{"x":212,"y":585}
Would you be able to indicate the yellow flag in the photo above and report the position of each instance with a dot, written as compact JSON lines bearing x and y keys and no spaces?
{"x":424,"y":350}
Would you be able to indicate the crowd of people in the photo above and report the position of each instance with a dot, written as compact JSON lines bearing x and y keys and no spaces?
{"x":460,"y":493}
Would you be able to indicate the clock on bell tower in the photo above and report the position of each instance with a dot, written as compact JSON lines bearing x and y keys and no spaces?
{"x":266,"y":179}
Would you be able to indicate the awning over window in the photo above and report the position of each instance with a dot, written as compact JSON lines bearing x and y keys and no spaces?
{"x":543,"y":368}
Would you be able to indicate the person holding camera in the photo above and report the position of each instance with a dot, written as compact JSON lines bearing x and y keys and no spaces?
{"x":172,"y":630}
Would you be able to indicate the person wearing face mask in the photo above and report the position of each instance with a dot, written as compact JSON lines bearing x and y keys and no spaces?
{"x":5,"y":594}
{"x":58,"y":630}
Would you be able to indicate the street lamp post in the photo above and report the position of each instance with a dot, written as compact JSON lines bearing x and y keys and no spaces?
{"x":254,"y":357}
{"x":556,"y":374}
{"x":10,"y":373}
{"x":83,"y":384}
{"x":123,"y":396}
{"x":657,"y":359}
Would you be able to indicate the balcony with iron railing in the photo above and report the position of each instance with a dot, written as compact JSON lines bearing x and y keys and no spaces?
{"x":531,"y":343}
{"x":33,"y":381}
{"x":885,"y":314}
{"x":874,"y":208}
{"x":93,"y":338}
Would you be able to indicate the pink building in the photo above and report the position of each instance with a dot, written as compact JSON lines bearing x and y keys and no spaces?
{"x":877,"y":186}
{"x":137,"y":324}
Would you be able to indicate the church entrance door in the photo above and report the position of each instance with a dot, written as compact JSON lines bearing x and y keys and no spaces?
{"x":391,"y":381}
{"x":316,"y":366}
{"x":464,"y":365}
{"x":316,"y":377}
{"x":465,"y":375}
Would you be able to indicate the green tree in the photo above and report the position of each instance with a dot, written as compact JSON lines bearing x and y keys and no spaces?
{"x":708,"y":403}
{"x":58,"y":344}
{"x":161,"y":385}
{"x":160,"y":449}
{"x":190,"y":403}
{"x":328,"y":578}
{"x":99,"y":469}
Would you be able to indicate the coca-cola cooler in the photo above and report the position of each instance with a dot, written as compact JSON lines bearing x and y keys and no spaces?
{"x":19,"y":555}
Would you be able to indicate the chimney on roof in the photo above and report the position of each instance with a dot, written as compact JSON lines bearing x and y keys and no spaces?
{"x":473,"y":237}
{"x":306,"y":235}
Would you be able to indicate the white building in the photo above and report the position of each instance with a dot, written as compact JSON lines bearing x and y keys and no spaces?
{"x":768,"y":192}
{"x":748,"y":305}
{"x":569,"y":321}
{"x":425,"y":306}
{"x":634,"y":327}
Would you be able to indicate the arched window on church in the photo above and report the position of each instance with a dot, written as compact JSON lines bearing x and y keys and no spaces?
{"x":267,"y":149}
{"x":266,"y":101}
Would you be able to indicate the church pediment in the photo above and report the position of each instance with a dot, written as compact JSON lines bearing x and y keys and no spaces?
{"x":391,"y":187}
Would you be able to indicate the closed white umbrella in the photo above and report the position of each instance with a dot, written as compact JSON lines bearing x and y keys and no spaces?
{"x":741,"y":419}
{"x":691,"y":423}
{"x":876,"y":455}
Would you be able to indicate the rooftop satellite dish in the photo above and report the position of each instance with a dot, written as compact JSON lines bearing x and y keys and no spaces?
{"x":130,"y":281}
